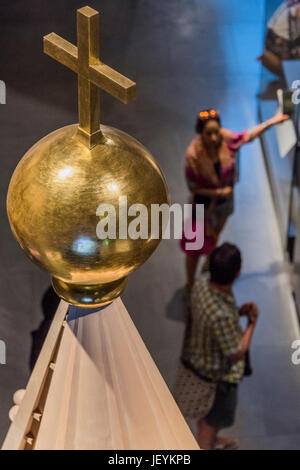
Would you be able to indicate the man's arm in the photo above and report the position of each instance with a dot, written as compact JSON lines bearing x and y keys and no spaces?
{"x":232,"y":345}
{"x":245,"y":343}
{"x":251,"y":311}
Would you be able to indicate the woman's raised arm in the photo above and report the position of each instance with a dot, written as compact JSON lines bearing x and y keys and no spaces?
{"x":278,"y":118}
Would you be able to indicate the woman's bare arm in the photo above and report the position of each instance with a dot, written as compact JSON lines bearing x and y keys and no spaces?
{"x":278,"y":118}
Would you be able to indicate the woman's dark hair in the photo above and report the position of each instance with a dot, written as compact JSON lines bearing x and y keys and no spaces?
{"x":205,"y":116}
{"x":224,"y":264}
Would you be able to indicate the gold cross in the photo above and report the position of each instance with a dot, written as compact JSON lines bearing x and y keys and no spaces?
{"x":92,"y":74}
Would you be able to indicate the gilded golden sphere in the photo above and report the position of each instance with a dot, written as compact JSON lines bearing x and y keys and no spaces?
{"x":52,"y":204}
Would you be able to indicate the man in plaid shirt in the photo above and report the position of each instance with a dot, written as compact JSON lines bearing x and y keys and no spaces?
{"x":215,"y":345}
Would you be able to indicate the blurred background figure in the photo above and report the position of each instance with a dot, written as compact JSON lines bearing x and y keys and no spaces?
{"x":211,"y":173}
{"x":282,"y":40}
{"x":49,"y":304}
{"x":212,"y":359}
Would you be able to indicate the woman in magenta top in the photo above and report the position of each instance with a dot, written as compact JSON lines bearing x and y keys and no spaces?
{"x":211,"y":173}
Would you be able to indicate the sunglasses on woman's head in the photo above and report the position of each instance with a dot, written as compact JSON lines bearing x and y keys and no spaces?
{"x":209,"y":114}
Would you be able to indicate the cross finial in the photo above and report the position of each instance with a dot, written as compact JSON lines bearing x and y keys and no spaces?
{"x":92,"y":74}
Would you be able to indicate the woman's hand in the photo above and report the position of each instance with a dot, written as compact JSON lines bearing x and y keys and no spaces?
{"x":214,"y":193}
{"x":278,"y":118}
{"x":225,"y":192}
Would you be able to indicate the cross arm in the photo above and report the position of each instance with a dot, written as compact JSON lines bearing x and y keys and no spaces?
{"x":113,"y":82}
{"x":99,"y":74}
{"x":61,"y":50}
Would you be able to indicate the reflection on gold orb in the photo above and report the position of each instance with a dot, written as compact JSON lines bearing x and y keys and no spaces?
{"x":52,"y":202}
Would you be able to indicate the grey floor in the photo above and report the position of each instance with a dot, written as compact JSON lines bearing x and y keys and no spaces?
{"x":185,"y":55}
